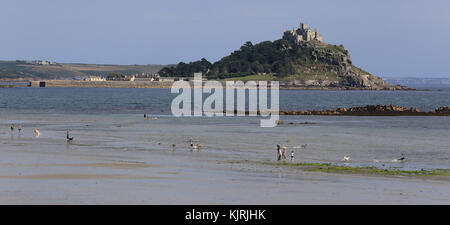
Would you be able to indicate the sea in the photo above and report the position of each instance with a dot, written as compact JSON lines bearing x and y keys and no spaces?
{"x":111,"y":118}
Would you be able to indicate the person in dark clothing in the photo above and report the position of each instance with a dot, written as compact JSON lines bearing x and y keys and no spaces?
{"x":278,"y":152}
{"x":68,"y":136}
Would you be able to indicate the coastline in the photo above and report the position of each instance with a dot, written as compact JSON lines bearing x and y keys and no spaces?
{"x":284,"y":85}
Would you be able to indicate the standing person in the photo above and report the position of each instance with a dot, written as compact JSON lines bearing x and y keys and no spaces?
{"x":191,"y":143}
{"x":284,"y":153}
{"x":37,"y":133}
{"x":12,"y":127}
{"x":278,"y":152}
{"x":292,"y":156}
{"x":19,"y":128}
{"x":145,"y":116}
{"x":68,"y":136}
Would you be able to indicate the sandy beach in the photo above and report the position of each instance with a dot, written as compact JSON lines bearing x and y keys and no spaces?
{"x":124,"y":159}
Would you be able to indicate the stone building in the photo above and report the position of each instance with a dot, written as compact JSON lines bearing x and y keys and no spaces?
{"x":302,"y":34}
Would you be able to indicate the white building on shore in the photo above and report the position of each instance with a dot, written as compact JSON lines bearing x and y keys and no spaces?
{"x":95,"y":78}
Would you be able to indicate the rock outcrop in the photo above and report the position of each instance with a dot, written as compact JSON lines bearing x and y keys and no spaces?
{"x":373,"y":110}
{"x":444,"y":110}
{"x":368,"y":110}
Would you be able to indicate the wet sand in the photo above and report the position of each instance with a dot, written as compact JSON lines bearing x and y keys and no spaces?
{"x":102,"y":166}
{"x":197,"y":182}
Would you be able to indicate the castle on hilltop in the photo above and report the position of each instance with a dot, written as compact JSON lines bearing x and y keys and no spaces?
{"x":302,"y":34}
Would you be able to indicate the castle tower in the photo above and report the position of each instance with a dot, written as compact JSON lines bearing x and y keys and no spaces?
{"x":318,"y":36}
{"x":309,"y":35}
{"x":303,"y":26}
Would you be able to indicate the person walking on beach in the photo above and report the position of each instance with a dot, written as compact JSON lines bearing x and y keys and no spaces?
{"x":145,"y":116}
{"x":278,"y":152}
{"x":284,"y":153}
{"x":19,"y":128}
{"x":12,"y":127}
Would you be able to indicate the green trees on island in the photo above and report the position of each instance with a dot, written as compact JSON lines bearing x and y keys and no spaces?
{"x":280,"y":58}
{"x":185,"y":70}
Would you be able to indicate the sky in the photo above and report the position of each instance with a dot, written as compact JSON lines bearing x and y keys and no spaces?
{"x":389,"y":38}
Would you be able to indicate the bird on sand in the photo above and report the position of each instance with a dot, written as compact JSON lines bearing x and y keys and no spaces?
{"x":346,"y":159}
{"x":402,"y":157}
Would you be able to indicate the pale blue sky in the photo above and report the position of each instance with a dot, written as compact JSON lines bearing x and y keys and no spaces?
{"x":387,"y":38}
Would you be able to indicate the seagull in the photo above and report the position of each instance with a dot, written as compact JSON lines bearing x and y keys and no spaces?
{"x":346,"y":159}
{"x":304,"y":146}
{"x":376,"y":161}
{"x":399,"y":159}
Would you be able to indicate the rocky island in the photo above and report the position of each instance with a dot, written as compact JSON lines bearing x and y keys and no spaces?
{"x":299,"y":60}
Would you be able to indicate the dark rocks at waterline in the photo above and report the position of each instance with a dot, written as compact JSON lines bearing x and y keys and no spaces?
{"x":369,"y":110}
{"x":304,"y":123}
{"x":280,"y":122}
{"x":443,"y":110}
{"x":373,"y":110}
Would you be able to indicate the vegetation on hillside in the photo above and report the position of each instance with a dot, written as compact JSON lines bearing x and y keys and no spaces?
{"x":24,"y":70}
{"x":279,"y":59}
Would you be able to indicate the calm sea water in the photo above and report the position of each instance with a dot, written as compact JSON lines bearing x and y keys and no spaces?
{"x":158,"y":101}
{"x":113,"y":119}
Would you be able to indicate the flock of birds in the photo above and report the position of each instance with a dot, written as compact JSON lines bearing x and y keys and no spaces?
{"x":401,"y":159}
{"x":348,"y":159}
